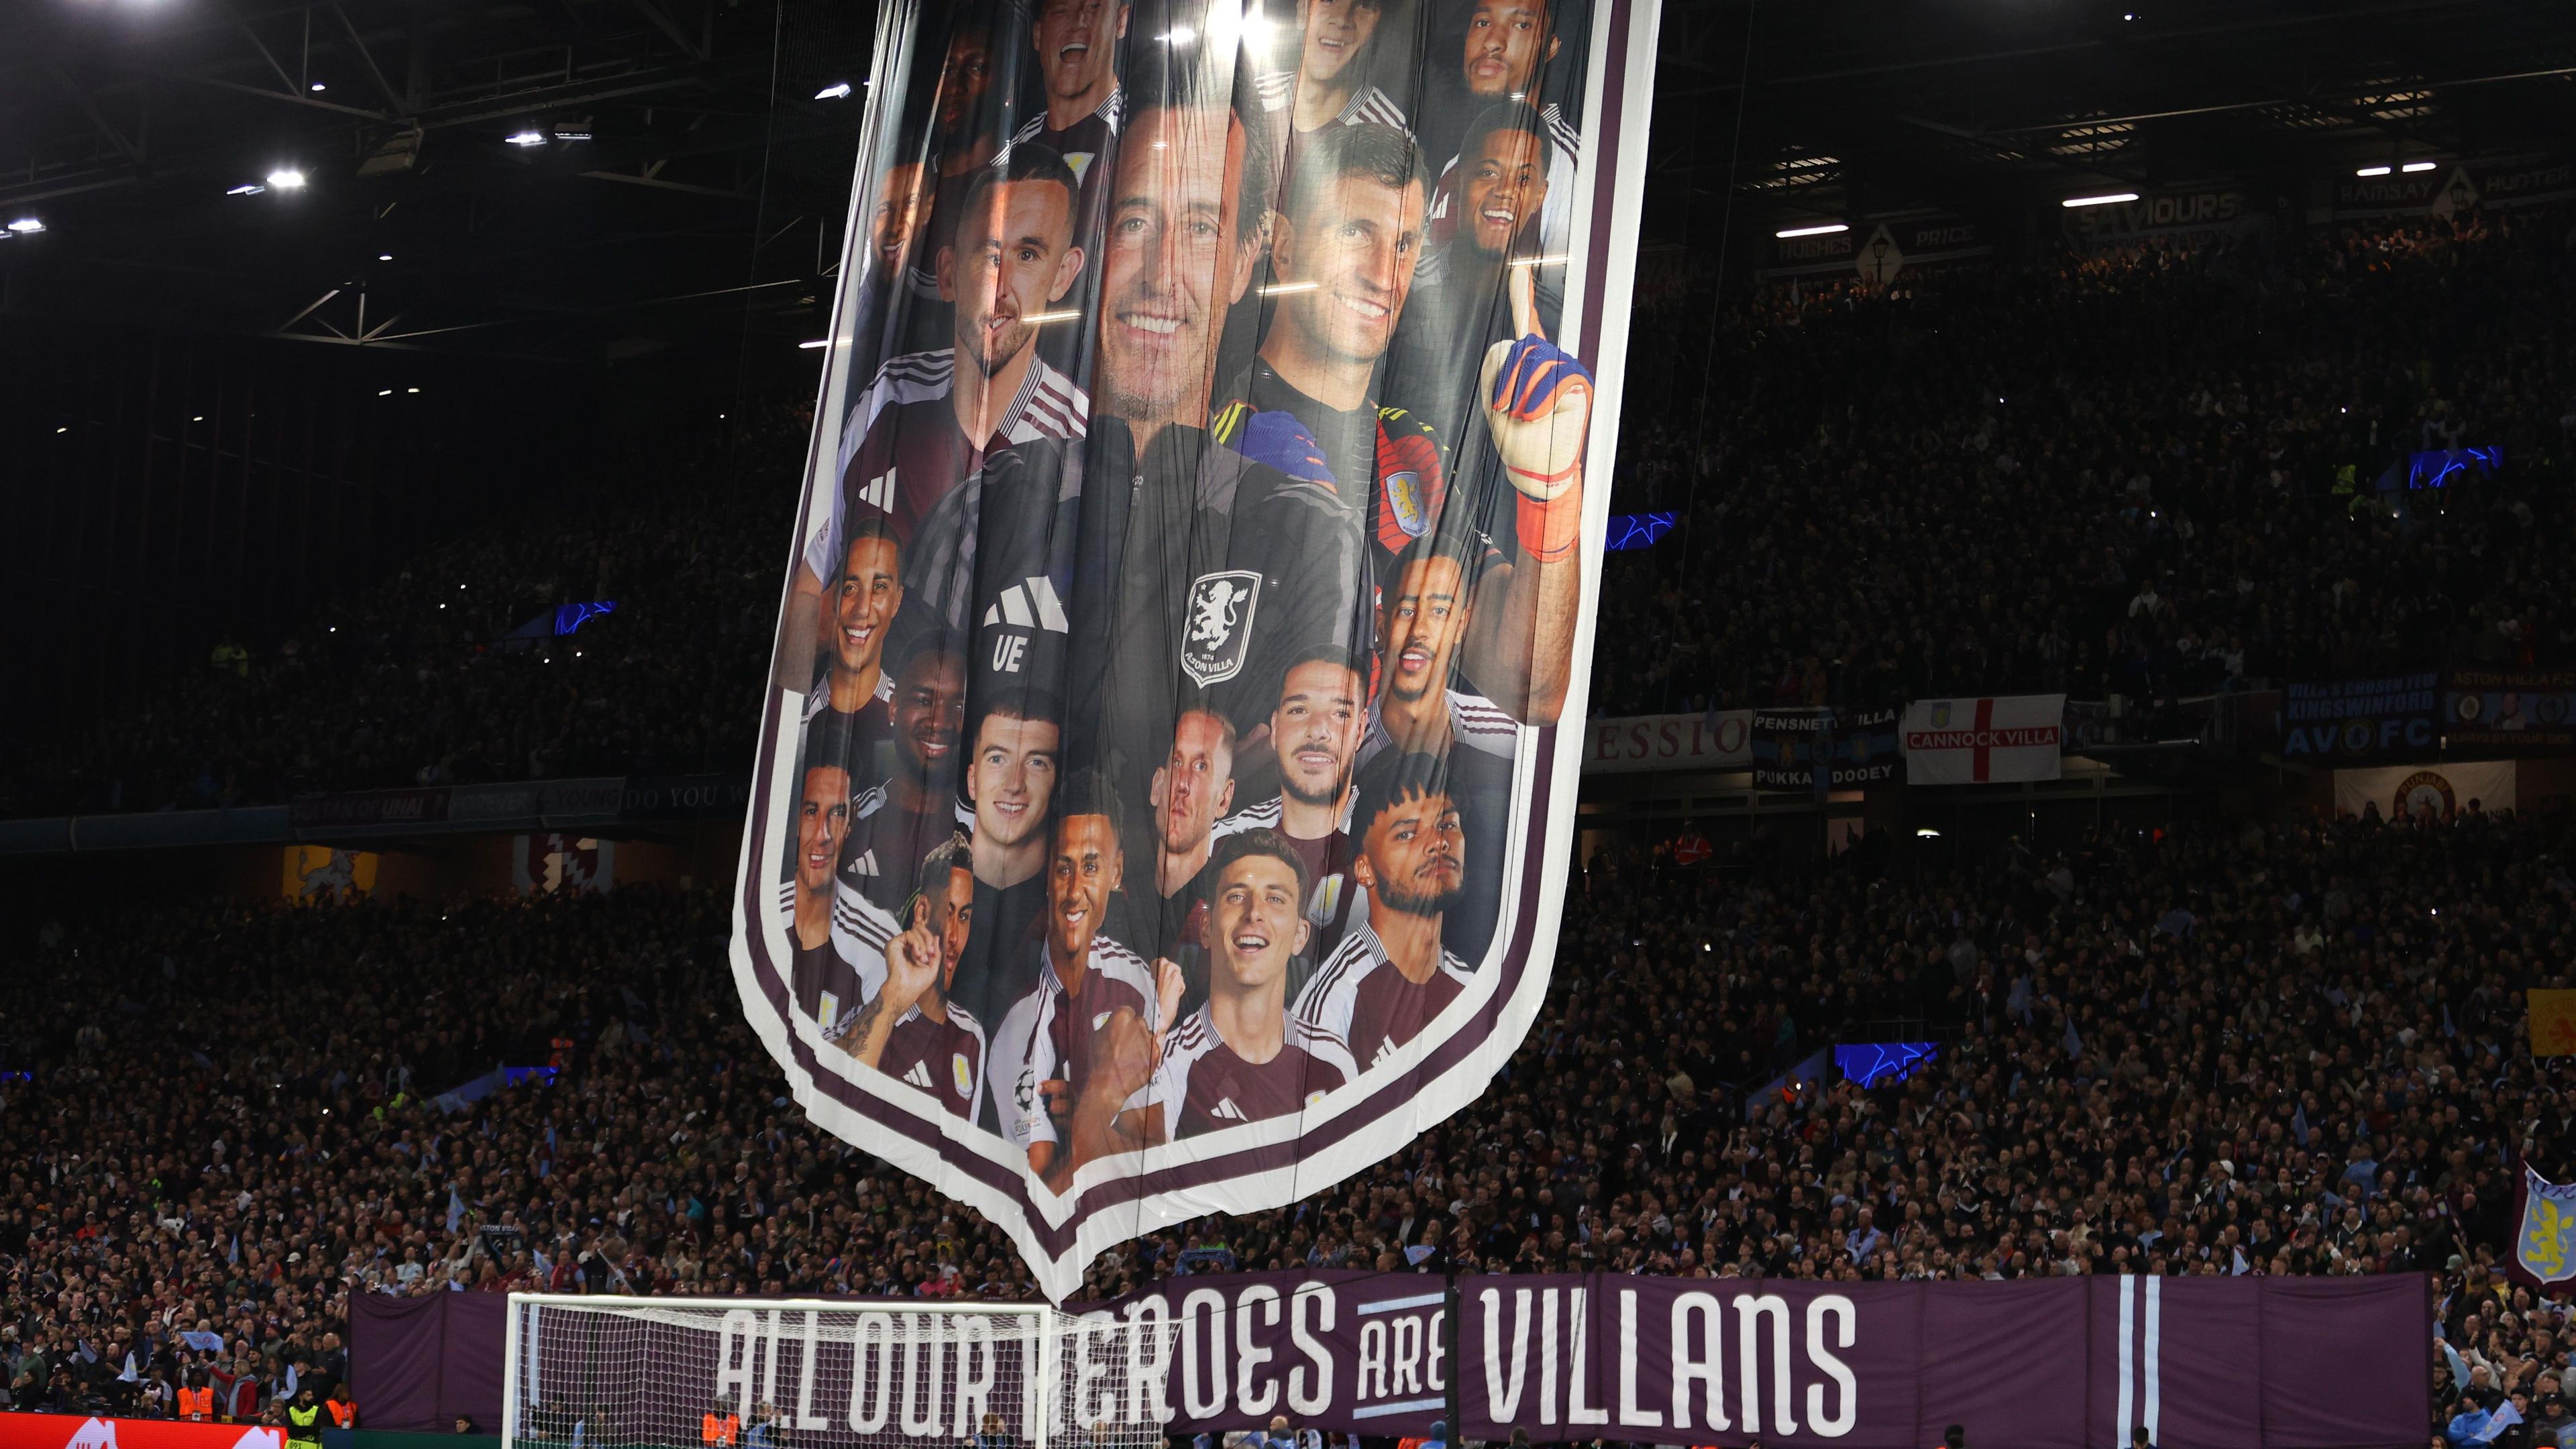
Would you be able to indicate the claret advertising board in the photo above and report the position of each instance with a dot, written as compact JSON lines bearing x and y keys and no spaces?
{"x":1167,"y":770}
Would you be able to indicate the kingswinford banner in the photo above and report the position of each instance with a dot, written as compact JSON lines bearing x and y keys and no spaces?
{"x":1162,"y":805}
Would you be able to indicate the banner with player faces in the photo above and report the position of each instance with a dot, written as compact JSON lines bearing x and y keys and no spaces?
{"x":1168,"y":766}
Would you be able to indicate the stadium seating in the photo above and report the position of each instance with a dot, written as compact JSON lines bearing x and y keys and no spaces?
{"x":2113,"y":475}
{"x":2118,"y":474}
{"x":2280,"y":1049}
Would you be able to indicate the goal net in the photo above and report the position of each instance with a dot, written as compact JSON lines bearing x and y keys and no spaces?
{"x":698,"y":1373}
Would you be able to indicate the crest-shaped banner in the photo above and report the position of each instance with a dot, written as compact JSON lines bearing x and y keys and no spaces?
{"x":2544,"y":1238}
{"x":1162,"y":806}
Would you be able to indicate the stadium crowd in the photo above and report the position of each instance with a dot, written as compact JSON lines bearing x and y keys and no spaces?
{"x":2104,"y":472}
{"x":2147,"y":471}
{"x":2287,"y":1048}
{"x":417,"y":680}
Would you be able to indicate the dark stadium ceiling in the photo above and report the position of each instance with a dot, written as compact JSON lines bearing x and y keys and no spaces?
{"x":708,"y":195}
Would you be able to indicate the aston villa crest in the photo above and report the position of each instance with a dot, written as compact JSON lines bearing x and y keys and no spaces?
{"x":1217,"y":634}
{"x":2545,"y":1243}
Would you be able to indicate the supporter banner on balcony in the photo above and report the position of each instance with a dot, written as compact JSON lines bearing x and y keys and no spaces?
{"x":1856,"y":749}
{"x":1879,"y":253}
{"x":2435,"y":792}
{"x":2185,"y":217}
{"x":2509,"y":711}
{"x":2451,"y":188}
{"x":1980,"y":741}
{"x":1161,"y":807}
{"x":2383,"y":717}
{"x":2247,"y":1362}
{"x":1717,"y":740}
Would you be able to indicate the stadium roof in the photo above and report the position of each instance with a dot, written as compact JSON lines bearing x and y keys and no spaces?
{"x":1825,"y":110}
{"x":680,"y":180}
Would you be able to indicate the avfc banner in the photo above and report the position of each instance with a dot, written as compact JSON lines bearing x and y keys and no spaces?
{"x":1162,"y":805}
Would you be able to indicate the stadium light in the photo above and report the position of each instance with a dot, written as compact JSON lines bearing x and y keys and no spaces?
{"x":2414,"y":166}
{"x":286,"y":178}
{"x":1827,"y":229}
{"x":384,"y":256}
{"x":1927,"y":833}
{"x":2106,"y":199}
{"x":26,"y":226}
{"x":316,"y":88}
{"x":2371,"y":171}
{"x":836,"y":91}
{"x":247,"y":188}
{"x":526,"y":138}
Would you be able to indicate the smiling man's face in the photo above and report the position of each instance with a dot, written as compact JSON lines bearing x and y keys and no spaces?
{"x":1174,"y":259}
{"x":822,"y":822}
{"x":871,"y":589}
{"x":929,"y":710}
{"x":1317,"y":729}
{"x":1257,"y":922}
{"x":1013,"y":778}
{"x":1506,"y":188}
{"x":1086,"y":868}
{"x":1337,"y":35}
{"x":1077,"y":44}
{"x":1357,"y":245}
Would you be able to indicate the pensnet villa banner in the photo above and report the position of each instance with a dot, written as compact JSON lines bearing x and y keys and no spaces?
{"x":1168,"y":764}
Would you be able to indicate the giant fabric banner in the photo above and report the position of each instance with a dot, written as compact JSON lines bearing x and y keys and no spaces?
{"x":2250,"y":1362}
{"x":1161,"y":806}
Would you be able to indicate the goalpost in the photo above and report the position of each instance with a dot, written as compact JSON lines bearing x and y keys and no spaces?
{"x":607,"y":1372}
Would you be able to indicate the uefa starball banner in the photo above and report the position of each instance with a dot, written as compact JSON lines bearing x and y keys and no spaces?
{"x":1169,"y":759}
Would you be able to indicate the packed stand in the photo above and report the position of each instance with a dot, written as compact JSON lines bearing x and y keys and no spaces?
{"x":416,"y":681}
{"x":2148,"y":472}
{"x":2238,"y":1049}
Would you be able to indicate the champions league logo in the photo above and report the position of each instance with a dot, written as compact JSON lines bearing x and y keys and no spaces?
{"x":1220,"y":625}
